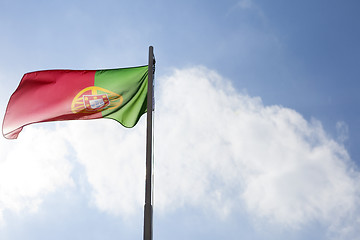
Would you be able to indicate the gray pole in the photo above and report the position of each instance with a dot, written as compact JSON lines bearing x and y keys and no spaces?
{"x":148,"y":211}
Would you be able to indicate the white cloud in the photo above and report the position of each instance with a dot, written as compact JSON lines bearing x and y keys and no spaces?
{"x":30,"y":168}
{"x":113,"y":157}
{"x":227,"y":146}
{"x":215,"y":148}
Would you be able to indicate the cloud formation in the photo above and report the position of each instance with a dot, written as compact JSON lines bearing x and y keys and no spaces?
{"x":229,"y":148}
{"x":30,"y":168}
{"x":215,"y":148}
{"x":113,"y":158}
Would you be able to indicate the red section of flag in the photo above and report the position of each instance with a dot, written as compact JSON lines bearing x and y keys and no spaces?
{"x":45,"y":96}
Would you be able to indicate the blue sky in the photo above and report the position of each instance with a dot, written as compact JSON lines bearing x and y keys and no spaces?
{"x":256,"y":121}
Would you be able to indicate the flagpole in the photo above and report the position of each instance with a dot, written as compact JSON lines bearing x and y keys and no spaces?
{"x":148,"y":210}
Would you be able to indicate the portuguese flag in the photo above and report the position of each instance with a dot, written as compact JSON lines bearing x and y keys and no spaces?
{"x":55,"y":95}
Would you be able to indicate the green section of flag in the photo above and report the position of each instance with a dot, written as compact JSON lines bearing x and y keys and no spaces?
{"x":131,"y":84}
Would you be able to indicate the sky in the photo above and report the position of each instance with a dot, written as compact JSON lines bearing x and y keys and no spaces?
{"x":256,"y":127}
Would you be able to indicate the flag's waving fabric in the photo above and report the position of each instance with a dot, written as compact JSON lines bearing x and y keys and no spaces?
{"x":53,"y":95}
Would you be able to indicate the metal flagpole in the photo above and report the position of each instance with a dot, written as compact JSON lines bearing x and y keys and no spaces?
{"x":148,"y":211}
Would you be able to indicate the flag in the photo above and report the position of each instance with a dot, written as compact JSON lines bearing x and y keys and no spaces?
{"x":55,"y":95}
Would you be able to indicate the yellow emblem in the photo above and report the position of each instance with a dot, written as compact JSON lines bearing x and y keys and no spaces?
{"x":95,"y":99}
